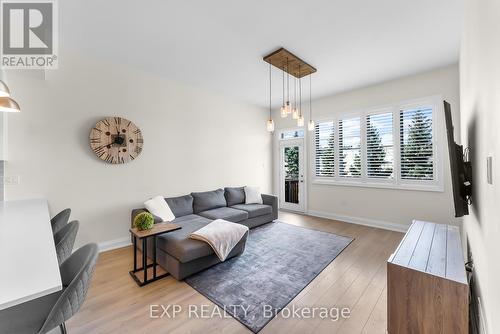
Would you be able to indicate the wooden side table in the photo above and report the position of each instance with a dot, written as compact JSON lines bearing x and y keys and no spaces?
{"x":427,"y":287}
{"x":143,"y":235}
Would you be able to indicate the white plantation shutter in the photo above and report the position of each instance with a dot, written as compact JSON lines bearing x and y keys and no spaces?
{"x":397,"y":147}
{"x":379,"y":146}
{"x":325,"y":149}
{"x":350,"y":147}
{"x":416,"y":144}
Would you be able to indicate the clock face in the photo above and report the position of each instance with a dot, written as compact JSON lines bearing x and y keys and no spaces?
{"x":116,"y":140}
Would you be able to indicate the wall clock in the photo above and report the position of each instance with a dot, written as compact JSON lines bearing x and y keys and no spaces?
{"x":116,"y":140}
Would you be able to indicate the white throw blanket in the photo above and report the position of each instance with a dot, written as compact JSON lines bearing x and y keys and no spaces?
{"x":221,"y":235}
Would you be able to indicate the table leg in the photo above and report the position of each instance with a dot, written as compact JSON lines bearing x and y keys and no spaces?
{"x":145,"y":258}
{"x":145,"y":264}
{"x":135,"y":253}
{"x":154,"y":257}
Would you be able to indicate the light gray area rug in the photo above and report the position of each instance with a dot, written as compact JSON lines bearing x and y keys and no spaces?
{"x":279,"y":261}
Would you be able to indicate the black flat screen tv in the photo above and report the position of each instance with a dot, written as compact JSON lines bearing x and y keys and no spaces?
{"x":460,"y":169}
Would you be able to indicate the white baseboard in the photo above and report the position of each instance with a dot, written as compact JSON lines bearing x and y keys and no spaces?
{"x":124,"y":242}
{"x":360,"y":221}
{"x":114,"y":244}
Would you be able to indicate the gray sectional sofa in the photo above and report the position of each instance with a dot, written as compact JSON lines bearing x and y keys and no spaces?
{"x":182,"y":256}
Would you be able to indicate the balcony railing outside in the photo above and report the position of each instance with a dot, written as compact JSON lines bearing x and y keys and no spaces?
{"x":292,"y":190}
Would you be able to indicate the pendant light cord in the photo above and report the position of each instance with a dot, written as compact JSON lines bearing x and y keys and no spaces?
{"x":287,"y":81}
{"x":283,"y":84}
{"x":270,"y":92}
{"x":295,"y":93}
{"x":310,"y":97}
{"x":300,"y":94}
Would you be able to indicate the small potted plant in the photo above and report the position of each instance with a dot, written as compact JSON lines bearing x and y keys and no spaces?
{"x":144,"y":221}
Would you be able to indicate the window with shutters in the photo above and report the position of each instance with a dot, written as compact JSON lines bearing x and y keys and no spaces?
{"x":379,"y":146}
{"x":416,"y":144}
{"x":350,"y":147}
{"x":399,"y":146}
{"x":325,"y":149}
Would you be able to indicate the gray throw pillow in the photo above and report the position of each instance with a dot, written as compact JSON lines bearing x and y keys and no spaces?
{"x":234,"y":195}
{"x":208,"y":200}
{"x":181,"y":206}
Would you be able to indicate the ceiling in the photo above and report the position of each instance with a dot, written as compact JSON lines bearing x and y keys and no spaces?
{"x":219,"y":44}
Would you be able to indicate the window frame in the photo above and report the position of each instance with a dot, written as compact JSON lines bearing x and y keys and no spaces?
{"x":438,"y":138}
{"x":286,"y":130}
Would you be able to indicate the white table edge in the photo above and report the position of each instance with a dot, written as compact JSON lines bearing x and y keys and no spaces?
{"x":30,"y":297}
{"x":48,"y":231}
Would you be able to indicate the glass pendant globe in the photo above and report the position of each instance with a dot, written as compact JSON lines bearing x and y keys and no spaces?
{"x":300,"y":121}
{"x":283,"y":112}
{"x":310,"y":125}
{"x":270,"y":125}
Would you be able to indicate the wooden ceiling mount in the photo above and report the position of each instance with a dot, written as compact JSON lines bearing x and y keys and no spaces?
{"x":279,"y":58}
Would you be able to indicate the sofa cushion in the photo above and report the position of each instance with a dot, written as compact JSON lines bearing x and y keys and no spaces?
{"x":234,"y":195}
{"x":181,"y":206}
{"x":178,"y":244}
{"x":208,"y":200}
{"x":254,"y":210}
{"x":230,"y":214}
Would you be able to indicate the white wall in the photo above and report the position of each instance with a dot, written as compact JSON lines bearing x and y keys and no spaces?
{"x":480,"y":110}
{"x":3,"y":152}
{"x":195,"y":140}
{"x":388,"y":207}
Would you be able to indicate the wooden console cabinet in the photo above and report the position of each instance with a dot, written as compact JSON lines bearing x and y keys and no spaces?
{"x":427,"y":291}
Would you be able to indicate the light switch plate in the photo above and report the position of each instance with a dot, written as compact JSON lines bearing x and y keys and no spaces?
{"x":11,"y":180}
{"x":489,"y":169}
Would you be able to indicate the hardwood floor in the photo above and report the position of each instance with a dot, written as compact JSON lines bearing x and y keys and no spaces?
{"x":355,"y":279}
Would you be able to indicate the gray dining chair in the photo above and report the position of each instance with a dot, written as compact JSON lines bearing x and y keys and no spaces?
{"x":65,"y":240}
{"x":60,"y":220}
{"x":41,"y":315}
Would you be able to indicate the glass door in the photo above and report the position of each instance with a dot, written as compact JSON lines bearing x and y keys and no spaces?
{"x":292,"y":175}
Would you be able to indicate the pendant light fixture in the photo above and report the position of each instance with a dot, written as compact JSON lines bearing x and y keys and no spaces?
{"x":300,"y":120}
{"x":7,"y":104}
{"x":270,"y":122}
{"x":310,"y":125}
{"x":4,"y":89}
{"x":292,"y":65}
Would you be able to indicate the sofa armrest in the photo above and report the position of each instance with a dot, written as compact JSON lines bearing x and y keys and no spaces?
{"x":273,"y":202}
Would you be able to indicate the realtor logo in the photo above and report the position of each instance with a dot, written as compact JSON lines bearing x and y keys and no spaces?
{"x":29,"y":34}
